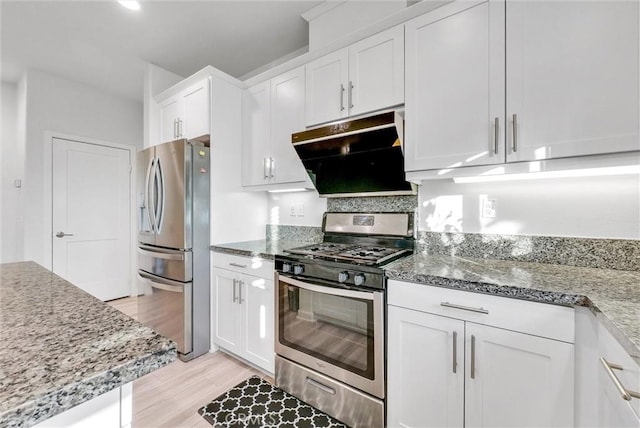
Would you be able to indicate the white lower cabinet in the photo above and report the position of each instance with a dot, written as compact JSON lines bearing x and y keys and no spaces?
{"x":463,"y":366}
{"x":242,"y":315}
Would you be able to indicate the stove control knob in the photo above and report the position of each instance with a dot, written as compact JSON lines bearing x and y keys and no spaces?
{"x":298,"y":269}
{"x":359,"y":279}
{"x":343,"y":276}
{"x":286,"y":267}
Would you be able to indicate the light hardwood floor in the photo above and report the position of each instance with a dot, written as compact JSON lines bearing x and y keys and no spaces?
{"x":171,"y":396}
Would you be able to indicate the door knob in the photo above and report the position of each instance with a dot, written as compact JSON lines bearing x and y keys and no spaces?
{"x":62,"y":234}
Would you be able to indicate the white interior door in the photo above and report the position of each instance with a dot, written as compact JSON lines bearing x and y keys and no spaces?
{"x":91,"y":217}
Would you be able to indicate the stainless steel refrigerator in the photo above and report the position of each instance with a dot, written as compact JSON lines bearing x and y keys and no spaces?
{"x":173,"y":243}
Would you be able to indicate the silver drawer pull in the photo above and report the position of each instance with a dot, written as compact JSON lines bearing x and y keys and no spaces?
{"x":238,"y":265}
{"x":464,"y":308}
{"x":321,"y":386}
{"x":609,"y":367}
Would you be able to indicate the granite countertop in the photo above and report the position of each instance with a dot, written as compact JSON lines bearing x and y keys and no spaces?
{"x":612,"y":295}
{"x":61,"y":346}
{"x":265,"y":249}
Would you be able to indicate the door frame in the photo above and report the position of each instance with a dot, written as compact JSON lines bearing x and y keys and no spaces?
{"x":47,"y":215}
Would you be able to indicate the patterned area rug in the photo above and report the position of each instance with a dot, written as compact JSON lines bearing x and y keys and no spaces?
{"x":256,"y":403}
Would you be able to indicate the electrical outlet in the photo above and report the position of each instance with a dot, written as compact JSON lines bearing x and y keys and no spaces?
{"x":297,"y":210}
{"x":489,"y":208}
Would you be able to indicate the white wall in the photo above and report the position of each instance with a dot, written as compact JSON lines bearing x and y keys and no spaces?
{"x":593,"y":207}
{"x":58,"y":105}
{"x":11,"y":169}
{"x":281,"y":204}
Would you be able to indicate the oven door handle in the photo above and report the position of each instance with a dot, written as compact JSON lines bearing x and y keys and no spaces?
{"x":364,"y":295}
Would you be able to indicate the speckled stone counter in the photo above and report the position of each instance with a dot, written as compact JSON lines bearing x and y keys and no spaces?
{"x":612,"y":295}
{"x":265,"y":249}
{"x":62,"y":347}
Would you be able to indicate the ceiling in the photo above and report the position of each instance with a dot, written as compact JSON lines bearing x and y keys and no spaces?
{"x":105,"y":45}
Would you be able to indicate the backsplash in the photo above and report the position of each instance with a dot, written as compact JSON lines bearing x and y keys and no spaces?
{"x":280,"y":232}
{"x":619,"y":254}
{"x":373,"y":204}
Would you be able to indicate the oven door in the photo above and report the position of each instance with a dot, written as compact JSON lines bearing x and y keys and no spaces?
{"x":335,"y":331}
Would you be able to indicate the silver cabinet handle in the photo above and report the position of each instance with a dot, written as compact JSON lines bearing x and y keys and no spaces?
{"x":264,"y":168}
{"x":609,"y":367}
{"x":238,"y":265}
{"x":175,"y":128}
{"x":321,"y":386}
{"x":464,"y":308}
{"x":341,"y":97}
{"x":496,"y":134}
{"x":240,"y":299}
{"x":179,"y":127}
{"x":62,"y":234}
{"x":235,"y":297}
{"x":272,"y":167}
{"x":473,"y":357}
{"x":455,"y":351}
{"x":515,"y":133}
{"x":350,"y":94}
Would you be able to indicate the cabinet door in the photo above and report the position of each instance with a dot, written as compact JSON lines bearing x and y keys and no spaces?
{"x":326,"y":87}
{"x":424,"y":389}
{"x":455,"y":87}
{"x":258,"y":326}
{"x":169,"y":112}
{"x":376,"y":72}
{"x":514,"y":379}
{"x":226,"y":309}
{"x":196,"y":112}
{"x":287,"y":117}
{"x":613,"y":409}
{"x":572,"y":78}
{"x":256,"y":130}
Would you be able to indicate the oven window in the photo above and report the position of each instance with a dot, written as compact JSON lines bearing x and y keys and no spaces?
{"x":335,"y":329}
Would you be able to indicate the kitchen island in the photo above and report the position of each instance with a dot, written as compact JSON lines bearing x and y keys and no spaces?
{"x":62,"y":347}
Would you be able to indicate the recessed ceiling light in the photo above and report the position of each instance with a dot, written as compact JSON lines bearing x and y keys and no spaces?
{"x":130,"y":4}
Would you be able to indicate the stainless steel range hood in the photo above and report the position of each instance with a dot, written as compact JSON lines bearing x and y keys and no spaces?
{"x":361,"y":157}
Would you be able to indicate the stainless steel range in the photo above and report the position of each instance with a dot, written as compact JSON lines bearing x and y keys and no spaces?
{"x":330,"y":314}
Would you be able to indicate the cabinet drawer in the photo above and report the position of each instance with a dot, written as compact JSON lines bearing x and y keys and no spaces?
{"x":249,"y":265}
{"x":540,"y":319}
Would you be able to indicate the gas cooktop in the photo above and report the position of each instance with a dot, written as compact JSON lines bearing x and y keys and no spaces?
{"x":370,"y":255}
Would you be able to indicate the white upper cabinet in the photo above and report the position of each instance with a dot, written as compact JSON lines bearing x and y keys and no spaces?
{"x":169,"y":113}
{"x":287,"y":117}
{"x":455,"y":87}
{"x":561,"y":81}
{"x":256,"y":126}
{"x":572,"y":78}
{"x":272,"y":111}
{"x":327,"y":81}
{"x":364,"y":77}
{"x":186,"y":114}
{"x":195,"y":110}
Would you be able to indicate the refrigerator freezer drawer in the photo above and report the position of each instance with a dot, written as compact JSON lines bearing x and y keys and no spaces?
{"x":172,"y":264}
{"x":166,"y":307}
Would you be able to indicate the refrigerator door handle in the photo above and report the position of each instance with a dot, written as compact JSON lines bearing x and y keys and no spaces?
{"x":149,"y":202}
{"x":162,"y":283}
{"x":161,"y":196}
